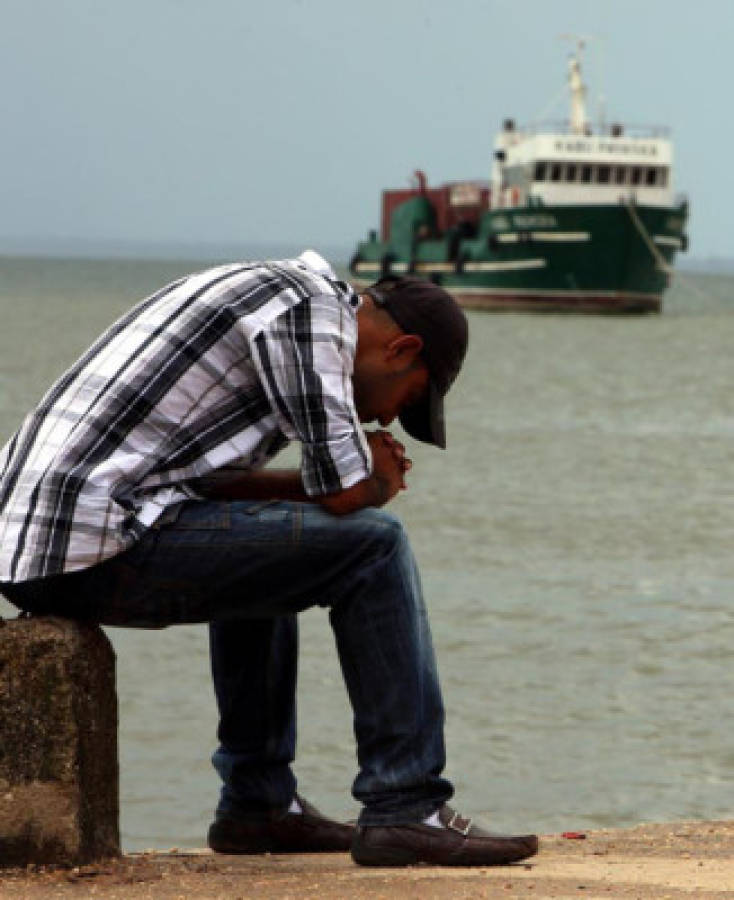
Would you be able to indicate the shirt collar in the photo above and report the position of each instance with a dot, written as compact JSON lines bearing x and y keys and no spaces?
{"x":314,"y":261}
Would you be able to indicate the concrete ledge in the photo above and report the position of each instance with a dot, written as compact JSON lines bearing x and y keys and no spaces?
{"x":58,"y":743}
{"x":692,"y":860}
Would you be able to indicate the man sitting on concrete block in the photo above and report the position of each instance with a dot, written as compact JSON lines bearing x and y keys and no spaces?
{"x":135,"y":495}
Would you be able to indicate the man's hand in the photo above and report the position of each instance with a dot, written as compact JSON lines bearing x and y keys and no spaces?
{"x":389,"y":465}
{"x":398,"y":451}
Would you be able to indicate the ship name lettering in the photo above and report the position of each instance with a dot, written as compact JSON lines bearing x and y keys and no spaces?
{"x":575,"y":146}
{"x":521,"y":221}
{"x":579,"y":146}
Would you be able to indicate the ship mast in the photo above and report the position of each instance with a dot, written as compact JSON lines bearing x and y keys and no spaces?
{"x":578,"y":93}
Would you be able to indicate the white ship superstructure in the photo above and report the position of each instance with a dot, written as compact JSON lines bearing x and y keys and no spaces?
{"x":572,"y":163}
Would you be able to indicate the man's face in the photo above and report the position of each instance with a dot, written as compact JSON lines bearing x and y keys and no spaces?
{"x":390,"y":373}
{"x":382,"y":392}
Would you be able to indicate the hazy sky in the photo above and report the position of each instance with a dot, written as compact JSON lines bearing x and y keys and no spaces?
{"x":220,"y":122}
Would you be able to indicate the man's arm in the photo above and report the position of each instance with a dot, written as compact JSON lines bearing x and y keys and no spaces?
{"x":265,"y":484}
{"x":387,"y":478}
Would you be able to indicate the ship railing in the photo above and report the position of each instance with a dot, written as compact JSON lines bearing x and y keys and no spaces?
{"x":563,"y":126}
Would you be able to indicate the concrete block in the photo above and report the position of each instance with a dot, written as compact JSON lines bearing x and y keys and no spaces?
{"x":59,"y":794}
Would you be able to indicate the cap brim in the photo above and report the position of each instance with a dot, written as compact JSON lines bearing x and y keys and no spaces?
{"x":424,"y":420}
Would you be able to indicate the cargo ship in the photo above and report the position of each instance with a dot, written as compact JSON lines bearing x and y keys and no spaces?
{"x":575,"y":218}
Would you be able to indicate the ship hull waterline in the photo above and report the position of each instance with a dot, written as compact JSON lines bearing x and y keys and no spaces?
{"x":557,"y":302}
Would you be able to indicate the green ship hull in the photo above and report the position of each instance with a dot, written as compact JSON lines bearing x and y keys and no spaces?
{"x":588,"y":258}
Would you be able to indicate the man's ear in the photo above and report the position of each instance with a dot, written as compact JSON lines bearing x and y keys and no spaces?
{"x":404,"y":348}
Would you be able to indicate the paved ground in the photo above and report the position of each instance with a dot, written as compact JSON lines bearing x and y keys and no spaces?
{"x":691,"y":860}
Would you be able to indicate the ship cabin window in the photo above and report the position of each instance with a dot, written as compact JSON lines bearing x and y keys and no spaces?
{"x":649,"y":176}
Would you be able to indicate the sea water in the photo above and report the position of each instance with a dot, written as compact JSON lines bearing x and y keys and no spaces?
{"x":575,"y":543}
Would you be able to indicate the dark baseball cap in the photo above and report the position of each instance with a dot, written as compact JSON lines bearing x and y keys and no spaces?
{"x":423,"y":308}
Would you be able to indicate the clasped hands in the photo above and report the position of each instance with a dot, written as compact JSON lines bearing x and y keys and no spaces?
{"x":389,"y":459}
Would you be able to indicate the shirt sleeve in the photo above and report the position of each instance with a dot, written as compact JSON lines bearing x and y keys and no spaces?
{"x":305,"y":359}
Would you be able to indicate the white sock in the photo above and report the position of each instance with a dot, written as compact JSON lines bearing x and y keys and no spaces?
{"x":434,"y":821}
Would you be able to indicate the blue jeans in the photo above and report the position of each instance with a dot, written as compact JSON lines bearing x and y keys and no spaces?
{"x":247,"y":568}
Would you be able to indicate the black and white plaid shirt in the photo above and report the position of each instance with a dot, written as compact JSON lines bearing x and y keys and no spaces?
{"x":218,"y":370}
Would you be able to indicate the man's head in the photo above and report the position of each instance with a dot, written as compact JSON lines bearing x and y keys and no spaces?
{"x":411,"y":344}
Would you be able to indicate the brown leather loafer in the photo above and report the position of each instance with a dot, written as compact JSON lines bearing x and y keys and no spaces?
{"x":306,"y":832}
{"x":458,"y":843}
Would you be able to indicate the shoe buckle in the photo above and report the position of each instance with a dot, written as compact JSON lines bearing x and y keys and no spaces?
{"x":457,"y":823}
